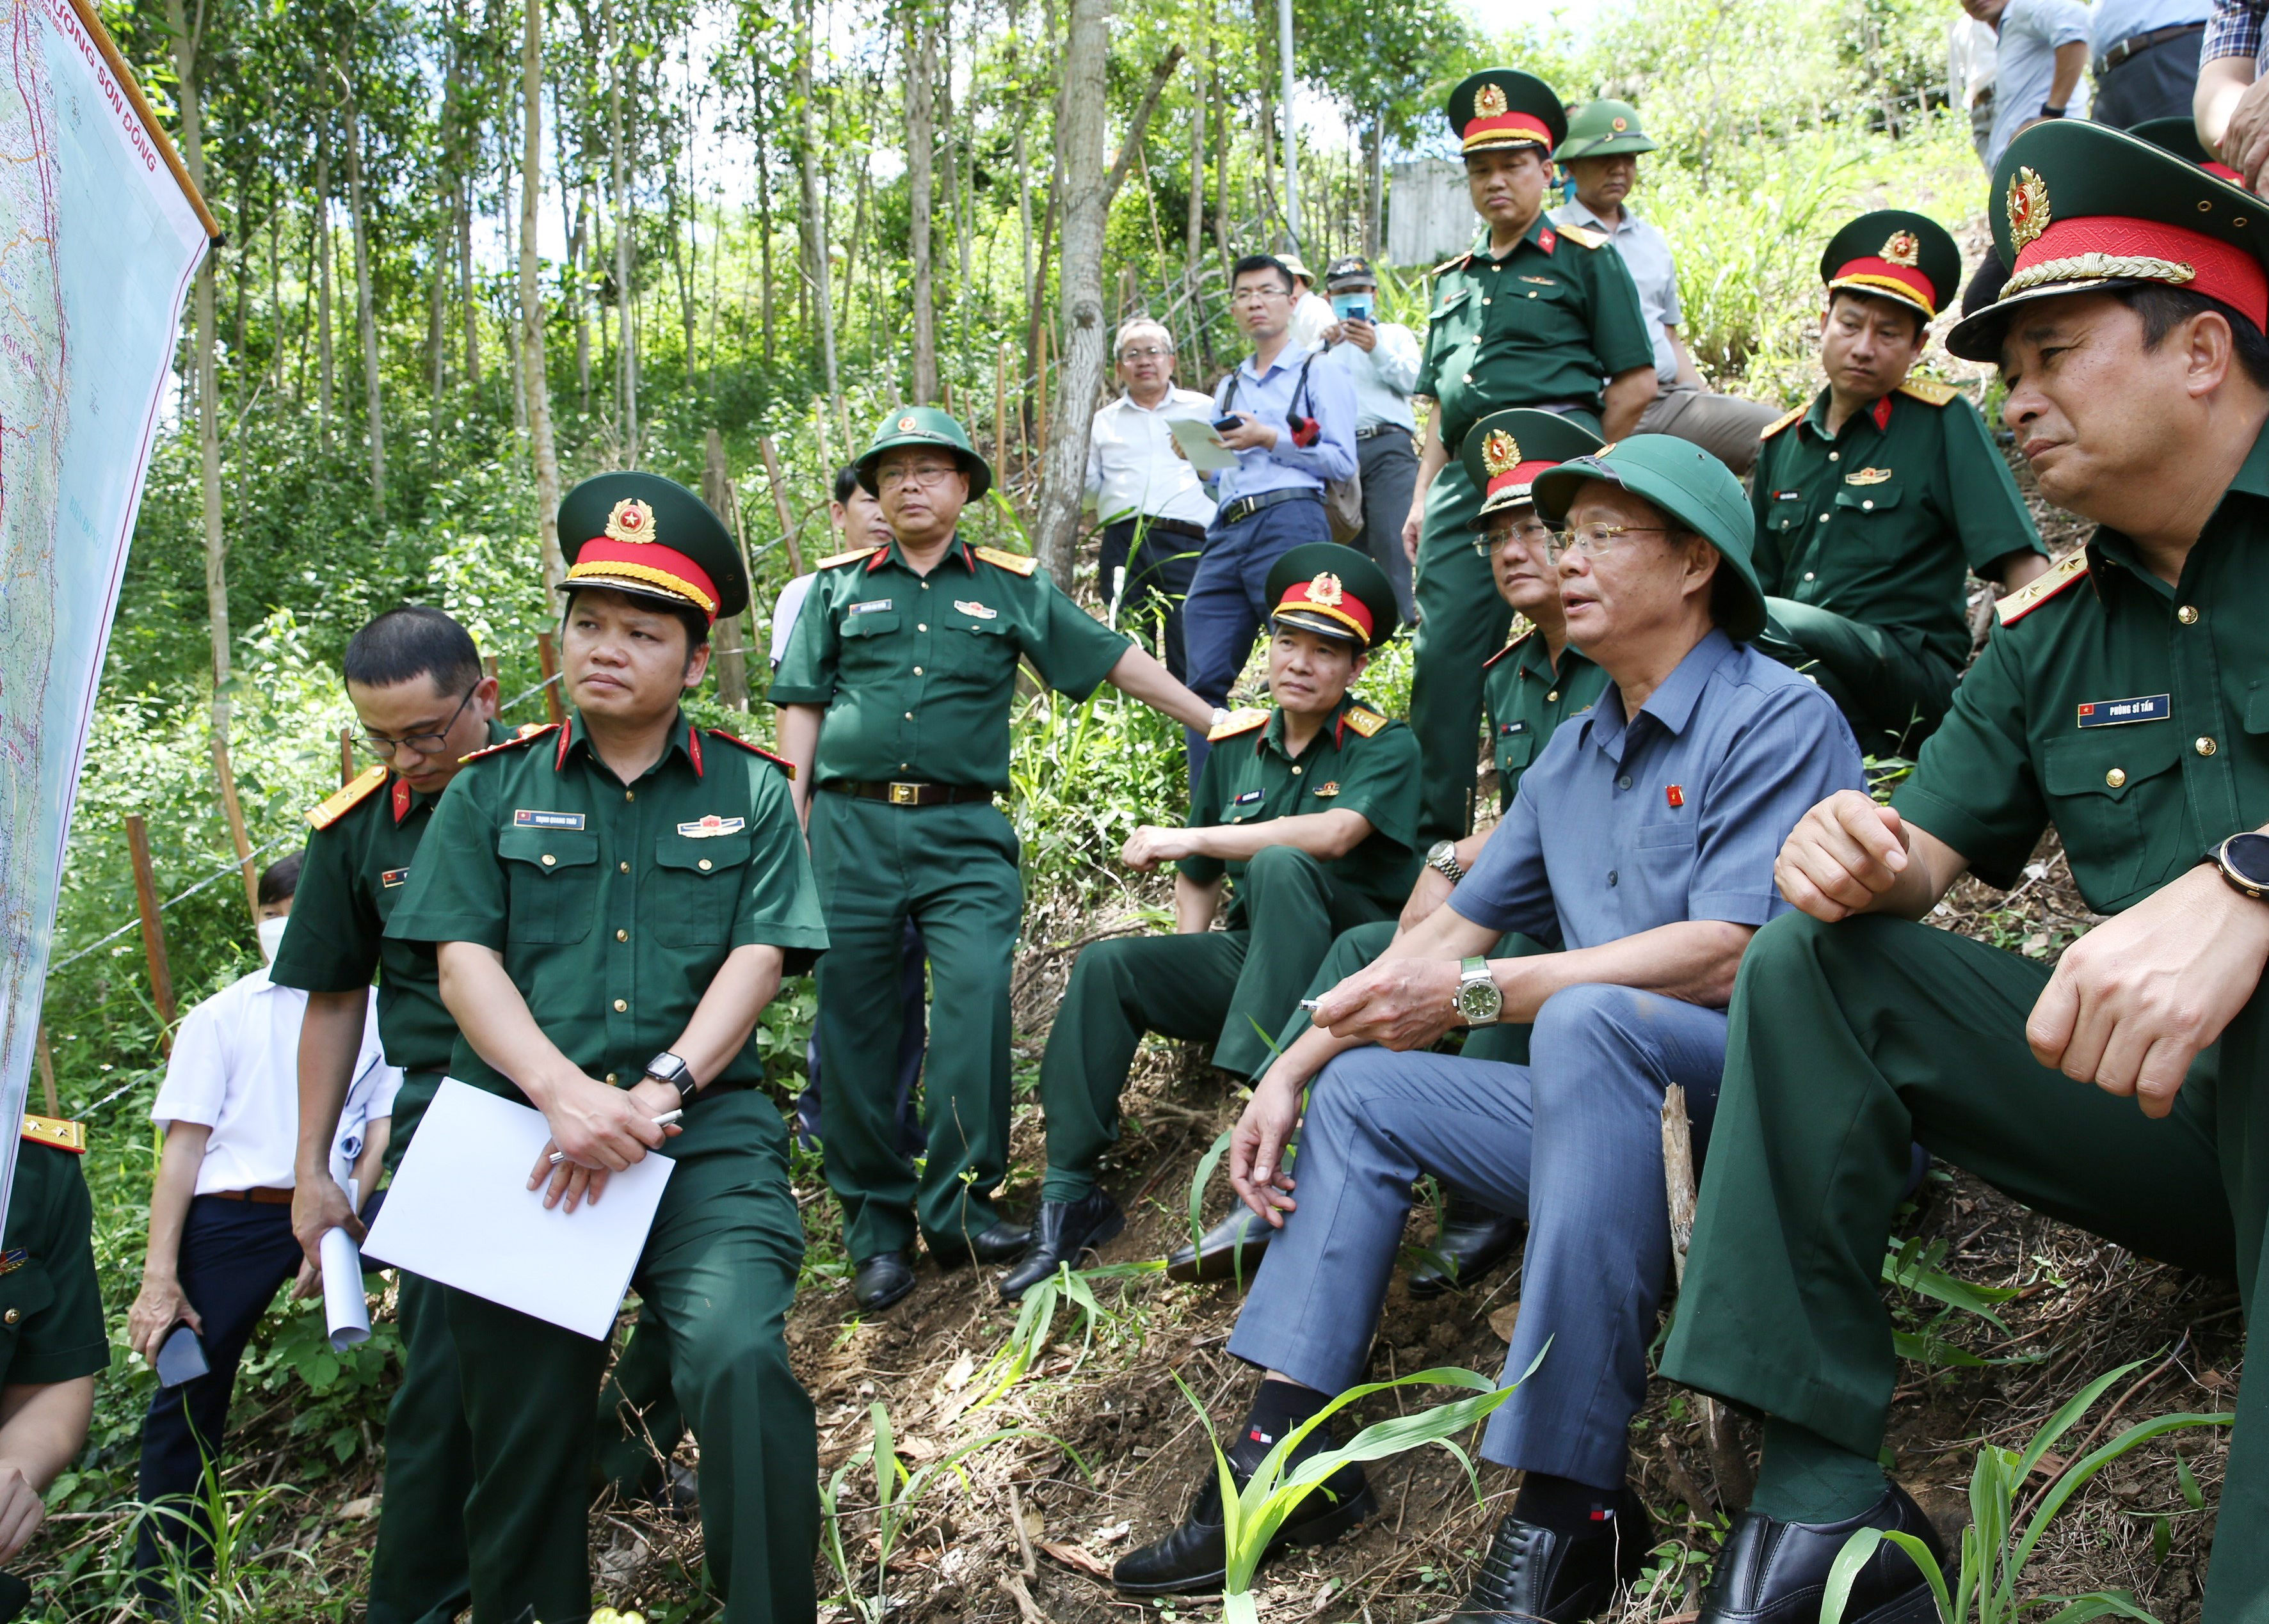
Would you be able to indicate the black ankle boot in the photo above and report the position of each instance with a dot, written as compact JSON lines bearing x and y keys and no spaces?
{"x":1195,"y":1554}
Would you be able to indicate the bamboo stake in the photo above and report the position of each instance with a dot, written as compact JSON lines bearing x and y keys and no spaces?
{"x":547,"y":662}
{"x":46,"y":1071}
{"x":1000,"y":414}
{"x":233,"y":811}
{"x":153,"y":929}
{"x":489,"y":667}
{"x":779,"y":504}
{"x":819,"y":421}
{"x":346,"y":756}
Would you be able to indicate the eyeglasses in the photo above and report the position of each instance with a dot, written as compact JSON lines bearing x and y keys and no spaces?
{"x":1153,"y":353}
{"x":1597,"y":541}
{"x":1258,"y":296}
{"x":926,"y":475}
{"x":424,"y":744}
{"x":1532,"y":532}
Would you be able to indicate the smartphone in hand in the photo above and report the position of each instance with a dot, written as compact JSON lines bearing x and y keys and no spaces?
{"x":181,"y":1357}
{"x":1225,"y":424}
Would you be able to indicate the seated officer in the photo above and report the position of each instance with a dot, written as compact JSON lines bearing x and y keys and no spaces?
{"x":615,"y":902}
{"x":2113,"y":702}
{"x":1531,"y":685}
{"x":1312,"y":810}
{"x":1641,"y":844}
{"x":1871,"y":500}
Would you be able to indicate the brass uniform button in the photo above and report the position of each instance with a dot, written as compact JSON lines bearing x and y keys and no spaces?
{"x":2116,"y":777}
{"x":12,"y":1315}
{"x":625,"y":868}
{"x":918,"y":668}
{"x":549,"y":860}
{"x":1835,"y":456}
{"x":1296,"y":772}
{"x":2187,"y":614}
{"x":610,"y":1080}
{"x":629,"y":794}
{"x":704,"y":865}
{"x":620,"y":1006}
{"x":1553,"y":697}
{"x":2204,"y":747}
{"x":622,"y":936}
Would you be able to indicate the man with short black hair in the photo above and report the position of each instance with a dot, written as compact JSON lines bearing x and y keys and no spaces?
{"x":1151,"y":507}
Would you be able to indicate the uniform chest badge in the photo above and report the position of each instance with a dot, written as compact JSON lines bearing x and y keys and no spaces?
{"x":2119,"y":713}
{"x":392,"y":877}
{"x":523,"y":818}
{"x":1868,"y":476}
{"x":977,"y":611}
{"x":1543,"y":282}
{"x":869,"y":606}
{"x":15,"y":1258}
{"x":711,"y":826}
{"x":1326,"y":790}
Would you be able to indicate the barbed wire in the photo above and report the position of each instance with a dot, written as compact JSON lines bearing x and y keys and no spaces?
{"x":212,"y":879}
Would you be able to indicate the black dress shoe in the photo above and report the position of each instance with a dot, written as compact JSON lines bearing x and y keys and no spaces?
{"x":1231,"y":1250}
{"x":1771,"y":1572}
{"x":1003,"y":1242}
{"x":1474,"y":1240}
{"x":882,"y":1281}
{"x":1061,"y":1232}
{"x":1535,"y":1573}
{"x":1194,"y":1556}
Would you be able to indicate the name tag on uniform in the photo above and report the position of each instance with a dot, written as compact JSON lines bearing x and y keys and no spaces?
{"x":1249,"y":797}
{"x":977,"y":611}
{"x":712,"y":825}
{"x":1506,"y":728}
{"x":393,"y":877}
{"x":2117,"y":712}
{"x":525,"y":819}
{"x":872,"y":606}
{"x":1786,"y":496}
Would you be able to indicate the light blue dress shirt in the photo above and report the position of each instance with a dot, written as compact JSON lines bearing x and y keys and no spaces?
{"x":1627,"y":824}
{"x":2024,"y":65}
{"x":1328,"y":397}
{"x":2115,"y":20}
{"x":1382,"y":378}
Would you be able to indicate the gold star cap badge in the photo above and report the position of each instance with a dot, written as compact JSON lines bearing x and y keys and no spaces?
{"x":1489,"y":101}
{"x":906,"y":425}
{"x":2028,"y":208}
{"x":1326,"y":590}
{"x":1500,"y":452}
{"x":632,"y":520}
{"x":1619,"y":124}
{"x":1904,"y":249}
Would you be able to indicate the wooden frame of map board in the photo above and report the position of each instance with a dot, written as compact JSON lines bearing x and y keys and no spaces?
{"x":91,"y":21}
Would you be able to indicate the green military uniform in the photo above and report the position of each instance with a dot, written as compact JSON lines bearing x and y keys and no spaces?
{"x":1862,"y":535}
{"x":1848,"y":1040}
{"x":1541,"y":326}
{"x":356,"y":868}
{"x":917,"y":674}
{"x":614,"y":907}
{"x":1232,"y":987}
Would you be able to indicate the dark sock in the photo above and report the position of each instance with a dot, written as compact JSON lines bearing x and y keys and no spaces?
{"x":1277,"y":1409}
{"x":1803,"y":1478}
{"x":1562,"y":1504}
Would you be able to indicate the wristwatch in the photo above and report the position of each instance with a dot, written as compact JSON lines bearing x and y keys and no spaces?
{"x":2244,"y":860}
{"x":1478,"y":1000}
{"x":2051,"y":112}
{"x":1441,"y":857}
{"x":667,"y":1067}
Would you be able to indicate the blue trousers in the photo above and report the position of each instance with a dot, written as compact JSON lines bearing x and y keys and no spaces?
{"x":1226,"y":603}
{"x":1573,"y":1140}
{"x":235,"y":1256}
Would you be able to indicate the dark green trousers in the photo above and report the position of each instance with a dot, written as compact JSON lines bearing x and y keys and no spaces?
{"x":1231,"y":988}
{"x":720,"y":1268}
{"x":1891,"y":689}
{"x":1848,"y":1041}
{"x":953,"y":870}
{"x":1354,"y":950}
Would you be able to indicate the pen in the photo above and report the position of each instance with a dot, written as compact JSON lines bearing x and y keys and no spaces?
{"x":1311,"y":1004}
{"x":664,"y":1120}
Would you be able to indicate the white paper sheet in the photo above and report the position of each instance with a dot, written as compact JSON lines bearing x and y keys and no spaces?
{"x":459,"y":1211}
{"x":346,"y":1311}
{"x":1201,"y":443}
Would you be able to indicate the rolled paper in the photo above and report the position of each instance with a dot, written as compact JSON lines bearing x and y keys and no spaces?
{"x":346,"y":1311}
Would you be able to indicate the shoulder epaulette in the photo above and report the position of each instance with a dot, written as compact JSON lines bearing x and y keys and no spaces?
{"x":55,"y":1134}
{"x":1582,"y":236}
{"x":529,"y":730}
{"x":346,"y":798}
{"x":1456,"y":261}
{"x":1364,"y":722}
{"x":852,"y":557}
{"x":2042,"y":587}
{"x":1014,"y":563}
{"x":1929,"y":391}
{"x":1522,"y":628}
{"x":526,"y":735}
{"x":1779,"y":424}
{"x":781,"y":762}
{"x":1237,"y":721}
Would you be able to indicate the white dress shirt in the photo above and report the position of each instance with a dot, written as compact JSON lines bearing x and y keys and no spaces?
{"x":1647,"y":254}
{"x":1131,"y":465}
{"x":235,"y":1070}
{"x":1382,"y":376}
{"x":1311,"y":313}
{"x":785,"y":609}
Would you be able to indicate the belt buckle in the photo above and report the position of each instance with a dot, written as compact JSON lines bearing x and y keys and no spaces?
{"x":906,"y":795}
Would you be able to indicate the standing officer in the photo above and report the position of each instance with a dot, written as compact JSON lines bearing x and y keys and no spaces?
{"x":1538,"y":315}
{"x":1314,"y":821}
{"x":1870,"y":501}
{"x":615,"y":901}
{"x":895,"y":694}
{"x":2117,"y":702}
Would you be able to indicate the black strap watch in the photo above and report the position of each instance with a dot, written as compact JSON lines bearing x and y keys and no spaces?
{"x":2243,"y":861}
{"x":667,"y":1067}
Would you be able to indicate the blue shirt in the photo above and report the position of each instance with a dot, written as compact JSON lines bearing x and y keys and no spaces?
{"x":2115,"y":20}
{"x":1676,"y":814}
{"x":1328,"y":397}
{"x":2024,"y":65}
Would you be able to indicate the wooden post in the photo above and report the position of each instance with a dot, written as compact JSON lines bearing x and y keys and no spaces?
{"x":153,"y":929}
{"x":819,"y":421}
{"x":1040,"y":439}
{"x":46,"y":1071}
{"x":346,"y":756}
{"x":1001,"y":415}
{"x":489,"y":668}
{"x":233,"y":811}
{"x":732,"y":650}
{"x":547,"y":660}
{"x":779,"y":504}
{"x":1728,"y":1460}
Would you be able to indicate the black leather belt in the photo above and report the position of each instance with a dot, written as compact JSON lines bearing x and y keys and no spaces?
{"x":1377,"y":429}
{"x":1243,"y":508}
{"x":1171,"y":527}
{"x":906,"y":795}
{"x":2135,"y":44}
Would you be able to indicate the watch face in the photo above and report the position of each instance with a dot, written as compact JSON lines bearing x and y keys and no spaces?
{"x":1480,"y":1000}
{"x":1439,"y":850}
{"x":2248,"y":856}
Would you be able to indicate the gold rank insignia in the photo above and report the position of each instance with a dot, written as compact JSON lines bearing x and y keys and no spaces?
{"x":345,"y":799}
{"x":1500,"y":452}
{"x":1364,"y":722}
{"x":1489,"y":101}
{"x":1904,"y":249}
{"x":15,"y":1258}
{"x":852,"y":557}
{"x":1929,"y":391}
{"x":1324,"y":792}
{"x":632,"y":520}
{"x":1868,"y":476}
{"x":1014,"y":563}
{"x":2028,"y":208}
{"x":1789,"y":421}
{"x":56,"y":1133}
{"x":1237,"y":721}
{"x":1325,"y":591}
{"x":2042,"y":587}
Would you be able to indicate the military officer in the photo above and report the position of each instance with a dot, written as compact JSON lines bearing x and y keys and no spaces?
{"x":1311,"y":810}
{"x":2118,"y":700}
{"x":1538,"y":315}
{"x":52,"y":1342}
{"x":896,"y":688}
{"x":614,"y":901}
{"x":1872,"y":499}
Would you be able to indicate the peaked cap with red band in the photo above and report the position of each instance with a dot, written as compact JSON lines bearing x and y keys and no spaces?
{"x":1505,"y":108}
{"x":2083,"y":207}
{"x":1331,"y":589}
{"x":651,"y":537}
{"x":1897,"y":255}
{"x":1504,"y":452}
{"x":2179,"y":135}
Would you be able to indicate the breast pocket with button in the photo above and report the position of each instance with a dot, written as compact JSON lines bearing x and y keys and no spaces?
{"x":2106,"y":786}
{"x":696,"y":885}
{"x":552,"y":878}
{"x":24,"y":1293}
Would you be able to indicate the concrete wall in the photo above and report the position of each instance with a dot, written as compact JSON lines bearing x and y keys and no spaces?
{"x":1429,"y":216}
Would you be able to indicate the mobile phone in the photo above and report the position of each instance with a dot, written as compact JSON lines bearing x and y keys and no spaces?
{"x":1352,"y":309}
{"x":1224,"y":424}
{"x":181,"y":1357}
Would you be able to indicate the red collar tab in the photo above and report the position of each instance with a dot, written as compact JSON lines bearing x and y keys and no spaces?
{"x":559,"y":755}
{"x":1881,"y":411}
{"x":968,"y":559}
{"x":881,"y":556}
{"x":1511,"y":128}
{"x":401,"y":798}
{"x":1547,"y":239}
{"x":2076,"y":250}
{"x":693,"y":747}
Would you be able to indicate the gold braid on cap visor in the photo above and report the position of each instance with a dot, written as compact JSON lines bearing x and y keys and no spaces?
{"x":651,"y":576}
{"x":2096,"y":267}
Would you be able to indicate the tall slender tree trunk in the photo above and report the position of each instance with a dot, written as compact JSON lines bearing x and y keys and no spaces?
{"x":764,"y":219}
{"x":1374,"y":198}
{"x":538,"y":382}
{"x":1194,"y":239}
{"x":815,"y":231}
{"x":506,"y":179}
{"x":626,"y":355}
{"x":366,"y":312}
{"x":921,"y":159}
{"x":1085,"y":189}
{"x":437,"y":298}
{"x":326,"y":366}
{"x":579,"y":265}
{"x":732,"y":654}
{"x":467,"y":298}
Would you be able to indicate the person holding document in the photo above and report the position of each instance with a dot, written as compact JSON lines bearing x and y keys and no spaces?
{"x":614,"y":901}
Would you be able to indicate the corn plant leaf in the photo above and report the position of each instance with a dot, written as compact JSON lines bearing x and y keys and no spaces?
{"x":2186,"y":1483}
{"x":2095,"y":1460}
{"x":1199,"y":1180}
{"x":2096,"y":1605}
{"x":1844,"y":1571}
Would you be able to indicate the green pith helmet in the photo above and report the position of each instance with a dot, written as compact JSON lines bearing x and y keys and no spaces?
{"x":1332,"y":590}
{"x":2083,"y":207}
{"x":1897,"y":255}
{"x":1504,"y":452}
{"x":651,"y":537}
{"x":1505,"y":108}
{"x":924,"y":426}
{"x":1602,"y":130}
{"x":1691,"y":487}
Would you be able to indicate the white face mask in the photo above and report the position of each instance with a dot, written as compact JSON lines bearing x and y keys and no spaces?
{"x":271,"y":937}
